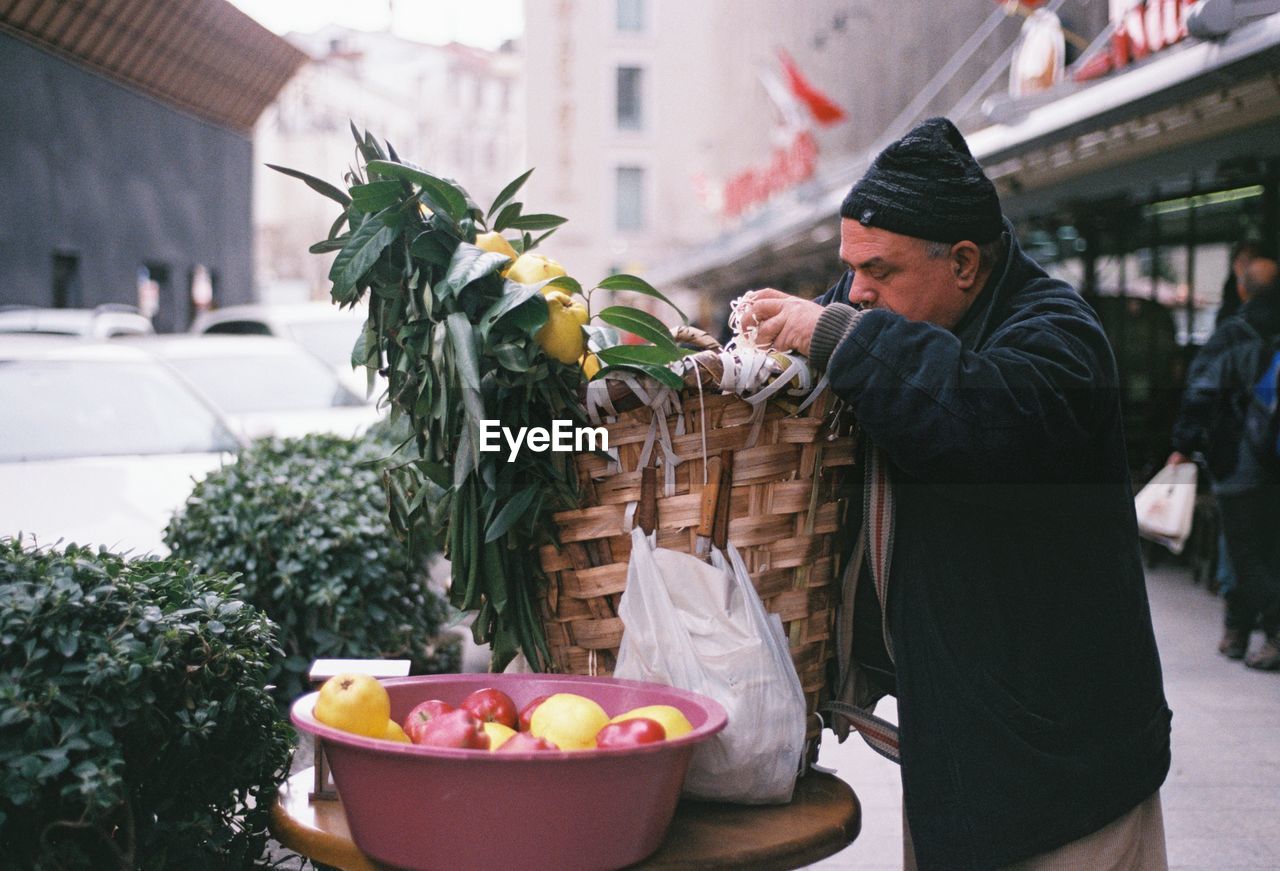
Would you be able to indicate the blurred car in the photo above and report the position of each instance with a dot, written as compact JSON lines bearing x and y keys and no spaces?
{"x":98,"y":443}
{"x":102,"y":322}
{"x":262,"y":385}
{"x":322,"y":328}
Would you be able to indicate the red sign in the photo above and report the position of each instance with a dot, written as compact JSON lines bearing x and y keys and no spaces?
{"x":1143,"y":29}
{"x":788,"y":167}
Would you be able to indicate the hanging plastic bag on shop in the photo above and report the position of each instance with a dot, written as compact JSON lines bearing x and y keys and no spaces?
{"x":702,"y":627}
{"x":1166,"y":505}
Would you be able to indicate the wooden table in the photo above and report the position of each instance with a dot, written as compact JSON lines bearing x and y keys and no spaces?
{"x":823,"y":818}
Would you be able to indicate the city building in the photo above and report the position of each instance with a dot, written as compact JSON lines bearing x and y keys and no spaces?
{"x":671,"y":134}
{"x":126,"y":152}
{"x":455,"y":110}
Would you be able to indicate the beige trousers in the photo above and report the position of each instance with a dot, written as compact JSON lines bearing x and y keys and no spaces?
{"x":1135,"y":842}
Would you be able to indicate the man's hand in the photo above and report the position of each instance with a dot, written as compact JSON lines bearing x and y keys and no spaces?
{"x":1177,"y":459}
{"x":784,"y":322}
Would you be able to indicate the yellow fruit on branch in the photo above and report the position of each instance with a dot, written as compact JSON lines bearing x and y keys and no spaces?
{"x":590,"y":365}
{"x":498,"y":244}
{"x":562,"y":336}
{"x":531,"y":268}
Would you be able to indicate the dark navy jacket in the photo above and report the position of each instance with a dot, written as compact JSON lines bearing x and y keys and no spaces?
{"x":1211,"y":420}
{"x":1030,"y":698}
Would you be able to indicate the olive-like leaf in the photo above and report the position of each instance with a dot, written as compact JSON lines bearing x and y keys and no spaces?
{"x":639,"y":354}
{"x":513,"y":511}
{"x":565,"y":283}
{"x":367,"y":243}
{"x":376,"y":195}
{"x":658,"y":373}
{"x":636,"y":284}
{"x":511,"y":357}
{"x":601,"y":337}
{"x":509,"y":213}
{"x":429,"y":247}
{"x":536,"y":222}
{"x":318,"y":185}
{"x":508,"y":192}
{"x":640,"y":323}
{"x":470,"y":263}
{"x":521,"y":304}
{"x":441,"y":192}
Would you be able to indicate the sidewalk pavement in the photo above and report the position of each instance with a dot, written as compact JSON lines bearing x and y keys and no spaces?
{"x":1222,"y":797}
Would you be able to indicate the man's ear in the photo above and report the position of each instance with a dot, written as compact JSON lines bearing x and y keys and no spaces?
{"x":965,"y":262}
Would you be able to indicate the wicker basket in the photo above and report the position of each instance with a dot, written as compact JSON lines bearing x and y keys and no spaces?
{"x":777,"y":501}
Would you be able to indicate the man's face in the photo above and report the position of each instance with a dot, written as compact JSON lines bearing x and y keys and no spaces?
{"x":893,"y":272}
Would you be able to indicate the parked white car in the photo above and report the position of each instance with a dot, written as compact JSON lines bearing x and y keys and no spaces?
{"x":99,"y":444}
{"x":262,"y":385}
{"x":322,"y":328}
{"x":103,"y":322}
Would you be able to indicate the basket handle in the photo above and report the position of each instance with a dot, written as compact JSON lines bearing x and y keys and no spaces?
{"x":720,"y":524}
{"x":691,"y":335}
{"x":647,"y":514}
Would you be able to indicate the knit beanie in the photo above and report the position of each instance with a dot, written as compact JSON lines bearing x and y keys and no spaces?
{"x":927,"y":185}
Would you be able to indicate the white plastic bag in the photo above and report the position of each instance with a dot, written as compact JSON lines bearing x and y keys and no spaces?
{"x":703,"y":628}
{"x":1166,"y":505}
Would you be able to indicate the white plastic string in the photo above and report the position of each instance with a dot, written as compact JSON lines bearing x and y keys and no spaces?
{"x":744,"y":337}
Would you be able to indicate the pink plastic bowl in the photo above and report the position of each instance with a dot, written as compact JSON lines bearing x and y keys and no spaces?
{"x":431,"y":807}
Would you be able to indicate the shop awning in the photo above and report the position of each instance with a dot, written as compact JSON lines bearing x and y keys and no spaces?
{"x":205,"y":57}
{"x":1192,"y":92}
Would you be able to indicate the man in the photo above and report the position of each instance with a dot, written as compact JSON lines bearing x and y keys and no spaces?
{"x":1018,"y":638}
{"x":1233,"y":291}
{"x":1212,"y":422}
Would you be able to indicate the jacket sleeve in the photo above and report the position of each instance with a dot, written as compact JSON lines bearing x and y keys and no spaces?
{"x":1025,"y":408}
{"x":1201,"y":398}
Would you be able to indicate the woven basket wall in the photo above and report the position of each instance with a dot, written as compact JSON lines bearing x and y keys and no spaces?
{"x":783,"y":516}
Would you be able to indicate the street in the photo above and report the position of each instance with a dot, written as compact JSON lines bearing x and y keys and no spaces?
{"x":1222,"y":797}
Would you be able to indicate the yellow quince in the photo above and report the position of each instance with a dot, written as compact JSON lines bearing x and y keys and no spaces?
{"x":562,"y":336}
{"x":531,"y":268}
{"x":497,"y":243}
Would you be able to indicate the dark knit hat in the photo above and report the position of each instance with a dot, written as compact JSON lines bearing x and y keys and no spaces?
{"x":927,"y":185}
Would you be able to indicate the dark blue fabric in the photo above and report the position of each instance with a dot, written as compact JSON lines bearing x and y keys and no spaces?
{"x":1211,"y":420}
{"x":1030,"y":697}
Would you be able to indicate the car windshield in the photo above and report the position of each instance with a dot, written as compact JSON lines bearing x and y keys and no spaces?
{"x":279,"y":382}
{"x":57,"y":409}
{"x":330,"y":340}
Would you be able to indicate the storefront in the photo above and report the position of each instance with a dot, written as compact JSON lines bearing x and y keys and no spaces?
{"x":1134,"y":187}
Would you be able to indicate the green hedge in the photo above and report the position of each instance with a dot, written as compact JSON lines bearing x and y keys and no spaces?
{"x":304,"y":523}
{"x":135,"y":730}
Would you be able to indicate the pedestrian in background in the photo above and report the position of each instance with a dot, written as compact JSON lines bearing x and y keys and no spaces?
{"x":1211,"y":423}
{"x":1233,"y":296}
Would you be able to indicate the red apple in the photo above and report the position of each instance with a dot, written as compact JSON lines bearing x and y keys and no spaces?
{"x":423,"y":714}
{"x":456,"y":728}
{"x":527,"y":711}
{"x":523,"y":742}
{"x":630,"y":733}
{"x":491,"y":706}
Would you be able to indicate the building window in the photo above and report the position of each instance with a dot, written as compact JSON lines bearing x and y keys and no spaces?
{"x":630,"y":115}
{"x":631,"y":15}
{"x":630,"y":198}
{"x":66,"y":280}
